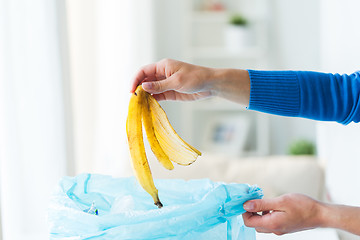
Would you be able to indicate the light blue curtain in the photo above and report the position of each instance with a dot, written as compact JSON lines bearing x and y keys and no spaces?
{"x":32,"y":116}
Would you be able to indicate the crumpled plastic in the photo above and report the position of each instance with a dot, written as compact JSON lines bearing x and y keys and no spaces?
{"x":195,"y":209}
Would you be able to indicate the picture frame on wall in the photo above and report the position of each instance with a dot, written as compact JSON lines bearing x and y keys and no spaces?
{"x":226,"y":135}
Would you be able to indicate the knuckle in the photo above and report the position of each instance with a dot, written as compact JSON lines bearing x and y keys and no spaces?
{"x":285,"y":198}
{"x":141,"y":72}
{"x":166,"y":60}
{"x":289,"y":196}
{"x":273,"y":225}
{"x":176,"y":82}
{"x":157,"y":86}
{"x":179,"y":79}
{"x":247,"y":223}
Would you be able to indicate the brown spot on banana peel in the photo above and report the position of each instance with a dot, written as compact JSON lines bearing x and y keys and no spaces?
{"x":158,"y":204}
{"x":157,"y":201}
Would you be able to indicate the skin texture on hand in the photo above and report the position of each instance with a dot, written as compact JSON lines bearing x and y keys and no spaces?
{"x":296,"y":212}
{"x":285,"y":214}
{"x":174,"y":80}
{"x":342,"y":217}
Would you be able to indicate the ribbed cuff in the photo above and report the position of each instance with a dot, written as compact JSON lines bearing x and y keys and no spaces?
{"x":274,"y":92}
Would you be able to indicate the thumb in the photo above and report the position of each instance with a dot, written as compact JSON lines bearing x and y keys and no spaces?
{"x":160,"y":86}
{"x":260,"y":205}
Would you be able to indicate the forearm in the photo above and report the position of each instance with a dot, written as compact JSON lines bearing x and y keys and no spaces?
{"x":314,"y":95}
{"x":231,"y":84}
{"x":341,"y":217}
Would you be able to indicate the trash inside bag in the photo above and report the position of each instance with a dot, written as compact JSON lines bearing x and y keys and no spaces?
{"x":91,"y":206}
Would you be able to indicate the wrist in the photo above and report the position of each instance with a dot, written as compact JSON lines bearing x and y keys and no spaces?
{"x":231,"y":84}
{"x":326,"y":215}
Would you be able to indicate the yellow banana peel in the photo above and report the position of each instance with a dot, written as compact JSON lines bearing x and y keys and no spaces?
{"x":165,"y":143}
{"x":150,"y":133}
{"x":136,"y":145}
{"x":176,"y":148}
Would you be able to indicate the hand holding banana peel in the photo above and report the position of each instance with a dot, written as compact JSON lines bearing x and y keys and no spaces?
{"x":173,"y":80}
{"x":165,"y":143}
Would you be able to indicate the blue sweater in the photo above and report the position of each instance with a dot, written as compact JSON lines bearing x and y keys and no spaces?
{"x":314,"y":95}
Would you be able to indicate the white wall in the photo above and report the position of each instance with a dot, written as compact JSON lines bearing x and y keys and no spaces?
{"x":339,"y":145}
{"x":169,"y":24}
{"x":340,"y":36}
{"x":339,"y":150}
{"x":295,"y":34}
{"x":294,"y":44}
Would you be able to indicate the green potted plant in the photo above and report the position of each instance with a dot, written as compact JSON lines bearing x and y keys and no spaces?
{"x":238,"y":20}
{"x":302,"y":147}
{"x":237,"y":33}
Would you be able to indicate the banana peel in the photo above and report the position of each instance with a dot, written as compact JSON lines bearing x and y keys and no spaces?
{"x":165,"y":143}
{"x":136,"y":145}
{"x":155,"y":146}
{"x":174,"y":146}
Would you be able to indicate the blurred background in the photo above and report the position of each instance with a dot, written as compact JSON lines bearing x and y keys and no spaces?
{"x":65,"y":70}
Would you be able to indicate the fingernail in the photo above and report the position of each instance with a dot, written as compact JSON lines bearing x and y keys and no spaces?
{"x":249,"y":206}
{"x":148,"y":85}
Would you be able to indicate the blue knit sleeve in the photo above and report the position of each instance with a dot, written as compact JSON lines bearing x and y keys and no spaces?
{"x":314,"y":95}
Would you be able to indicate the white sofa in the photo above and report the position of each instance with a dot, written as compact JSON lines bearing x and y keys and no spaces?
{"x":276,"y":175}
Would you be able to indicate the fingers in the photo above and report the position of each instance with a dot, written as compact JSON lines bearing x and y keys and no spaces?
{"x":148,"y":70}
{"x":285,"y":214}
{"x":174,"y":95}
{"x":156,"y":87}
{"x":271,"y":222}
{"x":169,"y":95}
{"x":177,"y":96}
{"x":254,"y":220}
{"x":263,"y":230}
{"x":261,"y":205}
{"x":265,"y":212}
{"x":151,"y":71}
